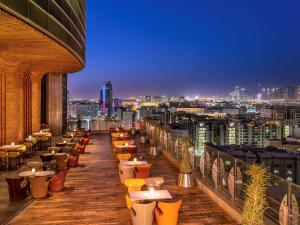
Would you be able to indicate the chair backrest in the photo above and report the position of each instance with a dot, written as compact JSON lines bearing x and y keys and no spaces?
{"x":39,"y":186}
{"x":143,"y":171}
{"x":125,"y":156}
{"x":132,"y":150}
{"x":118,"y":143}
{"x":134,"y":184}
{"x":154,"y":182}
{"x":61,"y":163}
{"x":169,"y":214}
{"x":142,"y":214}
{"x":126,"y":172}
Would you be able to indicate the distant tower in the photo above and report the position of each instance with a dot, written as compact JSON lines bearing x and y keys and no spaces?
{"x":106,"y":99}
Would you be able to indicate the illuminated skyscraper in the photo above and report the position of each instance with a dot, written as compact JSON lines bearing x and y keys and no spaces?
{"x":106,"y":99}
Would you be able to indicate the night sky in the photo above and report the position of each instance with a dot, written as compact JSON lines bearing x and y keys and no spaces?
{"x":188,"y":47}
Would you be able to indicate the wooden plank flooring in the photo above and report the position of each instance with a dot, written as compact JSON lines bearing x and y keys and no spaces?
{"x":94,"y":195}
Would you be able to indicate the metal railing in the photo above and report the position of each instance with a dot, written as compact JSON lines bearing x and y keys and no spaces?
{"x":227,"y":176}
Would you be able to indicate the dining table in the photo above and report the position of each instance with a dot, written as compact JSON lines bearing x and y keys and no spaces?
{"x":148,"y":195}
{"x":132,"y":163}
{"x":37,"y":173}
{"x":13,"y":148}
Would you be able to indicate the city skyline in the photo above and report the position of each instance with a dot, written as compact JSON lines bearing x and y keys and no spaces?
{"x":188,"y":48}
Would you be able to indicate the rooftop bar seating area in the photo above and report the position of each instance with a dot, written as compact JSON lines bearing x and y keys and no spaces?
{"x":106,"y":183}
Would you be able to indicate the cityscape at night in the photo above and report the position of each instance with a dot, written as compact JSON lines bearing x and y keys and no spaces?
{"x":149,"y":112}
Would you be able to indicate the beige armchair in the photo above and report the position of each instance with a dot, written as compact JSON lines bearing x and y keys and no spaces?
{"x":142,"y":214}
{"x":61,"y":161}
{"x":126,"y":172}
{"x":39,"y":186}
{"x":154,"y":182}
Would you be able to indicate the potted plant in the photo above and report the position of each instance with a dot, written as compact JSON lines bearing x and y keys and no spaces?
{"x":154,"y":149}
{"x":186,"y":178}
{"x":142,"y":135}
{"x":255,"y":192}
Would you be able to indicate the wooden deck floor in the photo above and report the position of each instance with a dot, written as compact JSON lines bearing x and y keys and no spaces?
{"x":94,"y":195}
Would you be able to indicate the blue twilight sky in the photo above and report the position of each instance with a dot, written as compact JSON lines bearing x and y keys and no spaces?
{"x":188,"y":47}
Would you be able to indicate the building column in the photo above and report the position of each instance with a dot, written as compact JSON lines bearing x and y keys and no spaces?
{"x":55,"y":102}
{"x":36,"y":103}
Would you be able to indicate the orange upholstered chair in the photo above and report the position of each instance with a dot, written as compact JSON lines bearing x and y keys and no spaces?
{"x":134,"y":184}
{"x":143,"y":171}
{"x":84,"y":141}
{"x":58,"y":181}
{"x":132,"y":150}
{"x":73,"y":159}
{"x":167,"y":213}
{"x":124,"y":157}
{"x":81,"y":148}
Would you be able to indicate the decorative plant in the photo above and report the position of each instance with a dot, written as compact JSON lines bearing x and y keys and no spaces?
{"x":185,"y":165}
{"x":255,"y":192}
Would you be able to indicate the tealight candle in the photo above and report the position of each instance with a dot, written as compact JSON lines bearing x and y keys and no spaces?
{"x":30,"y":136}
{"x":13,"y":143}
{"x":121,"y":135}
{"x":151,"y":191}
{"x":134,"y":159}
{"x":53,"y":152}
{"x":64,"y":142}
{"x":72,"y":135}
{"x":41,"y":131}
{"x":33,"y":171}
{"x":126,"y":144}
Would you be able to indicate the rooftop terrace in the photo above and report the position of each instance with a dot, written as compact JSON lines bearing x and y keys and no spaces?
{"x":94,"y":194}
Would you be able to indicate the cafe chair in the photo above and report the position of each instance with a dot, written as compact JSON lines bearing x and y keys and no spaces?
{"x":46,"y":157}
{"x":81,"y":148}
{"x":84,"y":141}
{"x":13,"y":158}
{"x":17,"y":188}
{"x":124,"y":157}
{"x":57,"y":182}
{"x":118,"y":143}
{"x":167,"y":213}
{"x":35,"y":165}
{"x":142,"y":214}
{"x":44,"y":141}
{"x":132,"y":150}
{"x":128,"y":201}
{"x":154,"y":182}
{"x":61,"y":161}
{"x":49,"y":166}
{"x":73,"y":159}
{"x":39,"y":186}
{"x":143,"y":171}
{"x":126,"y":172}
{"x":134,"y":184}
{"x":29,"y":149}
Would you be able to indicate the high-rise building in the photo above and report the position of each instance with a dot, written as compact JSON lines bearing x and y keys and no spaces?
{"x":40,"y":38}
{"x":106,"y":99}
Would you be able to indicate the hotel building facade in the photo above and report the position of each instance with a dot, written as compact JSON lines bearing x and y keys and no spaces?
{"x":41,"y":41}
